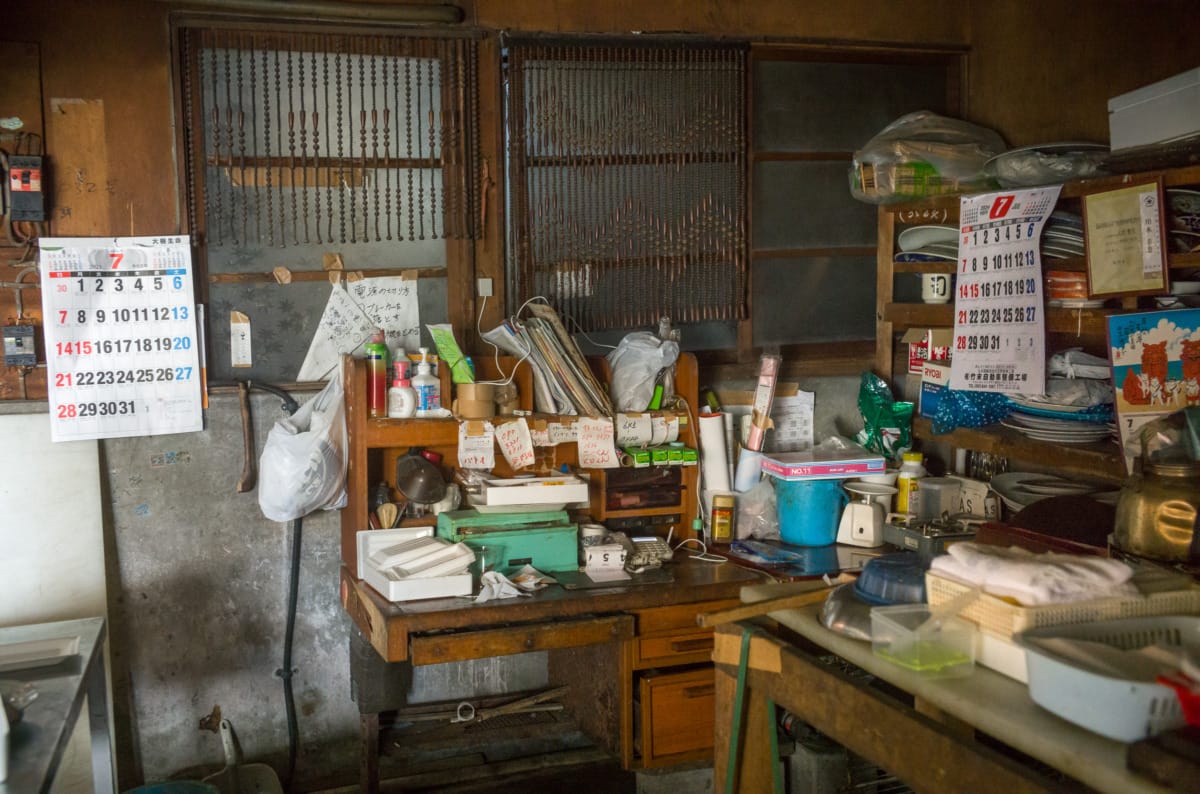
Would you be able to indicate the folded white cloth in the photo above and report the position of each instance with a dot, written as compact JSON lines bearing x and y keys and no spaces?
{"x":494,"y":584}
{"x":1033,"y":579}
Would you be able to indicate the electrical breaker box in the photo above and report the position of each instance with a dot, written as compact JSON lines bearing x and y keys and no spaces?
{"x":19,"y":346}
{"x":25,"y":188}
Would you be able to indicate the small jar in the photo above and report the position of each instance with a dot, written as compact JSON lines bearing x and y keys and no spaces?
{"x":908,"y":495}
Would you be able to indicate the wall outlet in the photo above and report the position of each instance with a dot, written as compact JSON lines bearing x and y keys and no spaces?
{"x":484,"y":287}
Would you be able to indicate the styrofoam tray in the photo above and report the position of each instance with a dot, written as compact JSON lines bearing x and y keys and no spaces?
{"x":1119,"y":708}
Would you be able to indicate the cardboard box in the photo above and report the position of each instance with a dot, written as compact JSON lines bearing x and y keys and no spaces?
{"x":372,"y":541}
{"x":935,"y":379}
{"x":1157,"y":112}
{"x":823,"y":464}
{"x":927,"y":344}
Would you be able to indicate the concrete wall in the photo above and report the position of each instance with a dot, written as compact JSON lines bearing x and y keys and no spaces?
{"x":197,"y":577}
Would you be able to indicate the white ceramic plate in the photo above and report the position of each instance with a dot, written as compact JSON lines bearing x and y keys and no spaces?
{"x":1183,"y":200}
{"x":1075,"y":303}
{"x":920,"y":236}
{"x":1005,"y":485}
{"x":1054,"y":486}
{"x":37,"y":653}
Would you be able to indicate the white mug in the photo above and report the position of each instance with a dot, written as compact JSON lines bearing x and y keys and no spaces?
{"x":935,"y":287}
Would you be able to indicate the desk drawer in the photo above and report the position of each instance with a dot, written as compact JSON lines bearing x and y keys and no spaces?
{"x":519,"y":638}
{"x":676,"y":716}
{"x":692,"y":646}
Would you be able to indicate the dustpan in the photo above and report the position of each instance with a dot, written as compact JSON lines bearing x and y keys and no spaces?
{"x":239,"y":778}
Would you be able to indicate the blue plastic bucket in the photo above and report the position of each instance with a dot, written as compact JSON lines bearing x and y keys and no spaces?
{"x":809,"y":510}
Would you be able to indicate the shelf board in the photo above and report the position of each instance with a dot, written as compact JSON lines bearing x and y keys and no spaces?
{"x":411,"y":433}
{"x":1099,"y":461}
{"x":923,"y":267}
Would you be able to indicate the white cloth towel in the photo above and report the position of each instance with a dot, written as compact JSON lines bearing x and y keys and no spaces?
{"x":1035,"y":578}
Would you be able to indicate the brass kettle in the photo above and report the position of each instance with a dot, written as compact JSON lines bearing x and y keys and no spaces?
{"x":1156,"y":513}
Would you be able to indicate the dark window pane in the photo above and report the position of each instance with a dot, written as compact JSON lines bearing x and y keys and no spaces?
{"x":814,"y":299}
{"x":808,"y":205}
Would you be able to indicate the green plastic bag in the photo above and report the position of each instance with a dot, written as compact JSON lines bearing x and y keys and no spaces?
{"x":887,"y":424}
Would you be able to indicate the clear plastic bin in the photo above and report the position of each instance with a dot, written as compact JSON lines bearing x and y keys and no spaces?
{"x":947,"y":650}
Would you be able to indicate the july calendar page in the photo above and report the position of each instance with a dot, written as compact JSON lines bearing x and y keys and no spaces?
{"x":999,"y":319}
{"x":121,"y":345}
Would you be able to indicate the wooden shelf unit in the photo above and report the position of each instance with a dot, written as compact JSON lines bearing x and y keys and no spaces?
{"x":1065,"y":327}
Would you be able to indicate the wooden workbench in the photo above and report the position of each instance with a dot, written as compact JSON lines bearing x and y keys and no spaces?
{"x":928,"y":741}
{"x":597,"y":640}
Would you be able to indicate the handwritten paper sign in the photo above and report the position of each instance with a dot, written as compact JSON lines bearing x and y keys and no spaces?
{"x":476,"y":447}
{"x":634,"y":429}
{"x":343,"y":328}
{"x":999,"y":322}
{"x":391,"y":303}
{"x":596,"y":450}
{"x":561,"y":432}
{"x":515,"y":443}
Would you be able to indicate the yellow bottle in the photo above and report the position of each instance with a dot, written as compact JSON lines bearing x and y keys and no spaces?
{"x":912,"y":469}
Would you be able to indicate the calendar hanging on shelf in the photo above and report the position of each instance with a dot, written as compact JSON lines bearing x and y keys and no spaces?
{"x":121,"y":344}
{"x":999,"y":322}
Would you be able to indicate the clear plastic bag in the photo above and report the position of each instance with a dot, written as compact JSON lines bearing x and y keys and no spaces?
{"x":635,"y":363}
{"x":303,"y":465}
{"x":758,"y":516}
{"x":923,"y":154}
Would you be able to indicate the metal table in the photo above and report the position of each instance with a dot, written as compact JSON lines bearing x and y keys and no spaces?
{"x":38,"y":741}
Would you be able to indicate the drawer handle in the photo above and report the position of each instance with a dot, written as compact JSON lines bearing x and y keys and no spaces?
{"x":702,"y":691}
{"x":689,"y":646}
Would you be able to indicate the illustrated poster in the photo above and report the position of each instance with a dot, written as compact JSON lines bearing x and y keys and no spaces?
{"x":121,"y":350}
{"x":999,"y":323}
{"x":1156,"y":369}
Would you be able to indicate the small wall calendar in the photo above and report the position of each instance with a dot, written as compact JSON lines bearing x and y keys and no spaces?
{"x":999,"y":322}
{"x":121,"y":345}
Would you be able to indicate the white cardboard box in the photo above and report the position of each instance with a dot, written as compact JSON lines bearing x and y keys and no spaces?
{"x":1155,"y":113}
{"x":374,"y":540}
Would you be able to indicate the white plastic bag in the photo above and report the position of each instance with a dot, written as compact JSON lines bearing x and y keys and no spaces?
{"x":303,"y":465}
{"x":635,"y":366}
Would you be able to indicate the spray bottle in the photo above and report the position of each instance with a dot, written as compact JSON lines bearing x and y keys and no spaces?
{"x":402,"y":398}
{"x":428,"y":387}
{"x":377,"y":367}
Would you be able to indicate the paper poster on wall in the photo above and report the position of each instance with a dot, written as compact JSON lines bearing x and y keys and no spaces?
{"x":596,"y":450}
{"x":476,"y":445}
{"x":391,"y":303}
{"x":120,"y":326}
{"x":343,"y":328}
{"x":999,"y":324}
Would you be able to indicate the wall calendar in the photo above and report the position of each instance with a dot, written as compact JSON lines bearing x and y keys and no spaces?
{"x":121,"y":344}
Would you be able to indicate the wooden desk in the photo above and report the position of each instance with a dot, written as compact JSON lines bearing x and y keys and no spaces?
{"x":931,"y":746}
{"x":582,"y":630}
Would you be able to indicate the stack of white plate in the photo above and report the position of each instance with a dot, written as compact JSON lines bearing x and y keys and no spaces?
{"x":1020,"y":489}
{"x":1063,"y":236}
{"x":1063,"y":424}
{"x":928,"y":244}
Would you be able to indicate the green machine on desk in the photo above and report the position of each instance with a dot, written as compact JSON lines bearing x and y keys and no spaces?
{"x":546,"y":540}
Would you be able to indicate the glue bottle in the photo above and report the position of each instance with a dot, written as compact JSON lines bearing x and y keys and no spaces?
{"x":402,"y":398}
{"x":912,"y":469}
{"x":377,"y":367}
{"x":428,"y":387}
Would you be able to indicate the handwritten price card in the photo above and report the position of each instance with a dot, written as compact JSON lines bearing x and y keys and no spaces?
{"x":596,"y":450}
{"x":999,"y":327}
{"x":516,"y":443}
{"x":121,"y":352}
{"x":476,"y":445}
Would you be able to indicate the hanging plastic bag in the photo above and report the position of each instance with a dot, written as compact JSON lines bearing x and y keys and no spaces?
{"x":923,"y":154}
{"x":636,"y":362}
{"x":303,"y":465}
{"x":887,"y":424}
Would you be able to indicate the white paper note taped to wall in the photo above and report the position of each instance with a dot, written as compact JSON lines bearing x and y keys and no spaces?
{"x":516,"y":443}
{"x":633,"y":429}
{"x":239,"y":340}
{"x":476,"y":445}
{"x":343,"y":329}
{"x":596,"y":450}
{"x":391,"y":303}
{"x":561,"y":432}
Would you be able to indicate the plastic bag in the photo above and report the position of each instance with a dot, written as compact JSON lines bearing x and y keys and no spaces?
{"x":887,"y":424}
{"x":303,"y":465}
{"x":758,"y":516}
{"x":923,"y":154}
{"x":635,"y":366}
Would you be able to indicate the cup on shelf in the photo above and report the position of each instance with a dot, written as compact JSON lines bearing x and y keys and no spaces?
{"x":935,"y":287}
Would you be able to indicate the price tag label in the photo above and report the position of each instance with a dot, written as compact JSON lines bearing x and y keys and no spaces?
{"x":515,"y":443}
{"x":596,"y":450}
{"x":121,"y":350}
{"x":999,"y":324}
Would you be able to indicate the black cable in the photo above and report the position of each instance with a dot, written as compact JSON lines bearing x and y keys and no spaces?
{"x":289,"y":700}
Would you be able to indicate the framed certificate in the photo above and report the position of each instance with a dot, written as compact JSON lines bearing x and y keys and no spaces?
{"x":1125,"y":241}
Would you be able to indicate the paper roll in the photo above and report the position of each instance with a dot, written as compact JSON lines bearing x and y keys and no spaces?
{"x":749,"y":469}
{"x":716,"y":459}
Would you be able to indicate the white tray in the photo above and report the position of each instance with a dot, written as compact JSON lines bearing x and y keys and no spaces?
{"x":37,"y":653}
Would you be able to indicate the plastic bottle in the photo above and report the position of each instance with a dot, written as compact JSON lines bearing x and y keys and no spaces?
{"x":428,"y":387}
{"x":402,"y":397}
{"x":377,"y":371}
{"x":912,"y":469}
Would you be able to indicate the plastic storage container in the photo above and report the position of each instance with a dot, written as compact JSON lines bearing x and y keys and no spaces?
{"x":893,"y":579}
{"x":809,"y":510}
{"x":945,"y":651}
{"x":1120,"y":709}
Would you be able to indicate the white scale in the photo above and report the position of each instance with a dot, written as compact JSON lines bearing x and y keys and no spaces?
{"x":862,"y":521}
